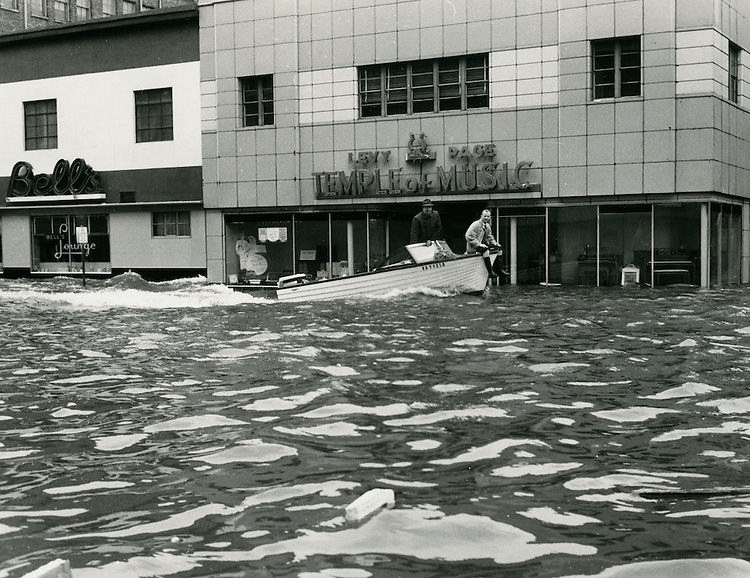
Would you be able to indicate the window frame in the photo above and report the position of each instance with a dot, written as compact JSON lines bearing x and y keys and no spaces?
{"x":179,"y":221}
{"x":263,"y":107}
{"x":46,"y":119}
{"x":42,"y":5}
{"x":153,"y":107}
{"x":617,"y":70}
{"x":9,"y":5}
{"x":407,"y":88}
{"x":83,"y":11}
{"x":733,"y":68}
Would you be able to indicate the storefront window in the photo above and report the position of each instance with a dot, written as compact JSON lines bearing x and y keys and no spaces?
{"x":725,"y":248}
{"x":377,"y":226}
{"x":55,"y":248}
{"x":521,"y":232}
{"x":624,"y":239}
{"x":311,"y":236}
{"x":259,"y":249}
{"x":572,"y":242}
{"x":677,"y":244}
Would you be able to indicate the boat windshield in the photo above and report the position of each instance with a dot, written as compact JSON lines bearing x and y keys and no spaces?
{"x":400,"y":257}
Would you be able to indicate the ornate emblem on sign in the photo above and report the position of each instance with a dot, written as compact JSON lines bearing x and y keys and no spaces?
{"x":418,"y":149}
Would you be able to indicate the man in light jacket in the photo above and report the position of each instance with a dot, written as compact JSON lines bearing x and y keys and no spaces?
{"x":479,"y":239}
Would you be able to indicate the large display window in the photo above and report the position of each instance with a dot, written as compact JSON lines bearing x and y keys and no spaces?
{"x":259,"y":248}
{"x":677,"y":246}
{"x":572,"y":245}
{"x":624,"y":238}
{"x":725,"y":223}
{"x":55,"y":248}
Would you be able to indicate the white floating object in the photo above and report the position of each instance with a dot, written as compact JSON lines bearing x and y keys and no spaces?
{"x":56,"y":569}
{"x":369,"y":503}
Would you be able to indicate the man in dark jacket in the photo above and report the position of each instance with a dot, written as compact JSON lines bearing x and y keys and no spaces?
{"x":426,"y":225}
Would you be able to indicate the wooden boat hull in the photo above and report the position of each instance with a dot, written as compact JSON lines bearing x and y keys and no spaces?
{"x":466,"y":274}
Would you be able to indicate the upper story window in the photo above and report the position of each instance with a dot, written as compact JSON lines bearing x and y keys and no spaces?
{"x":170,"y":224}
{"x":734,"y":72}
{"x":109,"y":8}
{"x":40,"y":124}
{"x":61,"y":10}
{"x":39,"y":8}
{"x":616,"y":67}
{"x":257,"y":100}
{"x":153,"y":115}
{"x":9,"y":4}
{"x":458,"y":83}
{"x":129,"y":6}
{"x":150,"y":4}
{"x":83,"y":9}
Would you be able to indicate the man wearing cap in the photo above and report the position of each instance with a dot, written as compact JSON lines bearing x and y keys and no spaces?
{"x":426,"y":225}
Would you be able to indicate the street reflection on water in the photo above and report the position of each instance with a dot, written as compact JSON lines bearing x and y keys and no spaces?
{"x":180,"y":429}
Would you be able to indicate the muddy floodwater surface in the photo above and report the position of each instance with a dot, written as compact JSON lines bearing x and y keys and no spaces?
{"x":179,"y":429}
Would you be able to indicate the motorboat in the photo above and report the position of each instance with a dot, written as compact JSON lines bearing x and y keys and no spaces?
{"x":431,"y":265}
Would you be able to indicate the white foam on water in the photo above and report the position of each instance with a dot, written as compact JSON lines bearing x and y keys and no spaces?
{"x":336,"y":370}
{"x":431,"y":535}
{"x":407,"y":382}
{"x":574,"y":405}
{"x":425,"y":419}
{"x":236,"y":352}
{"x":725,"y":428}
{"x":329,"y":334}
{"x":61,"y":432}
{"x":85,"y":379}
{"x":629,"y":478}
{"x":398,"y":359}
{"x":26,"y":371}
{"x":721,"y":513}
{"x":91,"y":353}
{"x":193,"y":423}
{"x":407,"y":484}
{"x":551,"y":516}
{"x":65,"y":412}
{"x":599,"y":383}
{"x":508,"y":397}
{"x":285,"y":403}
{"x":687,"y":343}
{"x":508,"y":349}
{"x":718,"y":453}
{"x":352,"y":409}
{"x":689,"y":389}
{"x":556,"y":367}
{"x":521,"y":470}
{"x":729,"y":406}
{"x":308,"y":351}
{"x":185,"y":382}
{"x":142,"y":390}
{"x":248,"y":391}
{"x":568,"y":442}
{"x":118,"y":442}
{"x":5,"y":529}
{"x":249,"y":451}
{"x":563,"y":420}
{"x":451,"y":387}
{"x":90,"y":487}
{"x":489,"y":451}
{"x":632,"y":414}
{"x":424,"y":445}
{"x":598,"y":352}
{"x":309,"y":507}
{"x":335,"y":429}
{"x":9,"y":455}
{"x":686,"y":568}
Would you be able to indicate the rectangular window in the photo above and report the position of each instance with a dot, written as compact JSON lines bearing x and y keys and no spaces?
{"x":61,"y":10}
{"x":129,"y":6}
{"x":40,"y":124}
{"x":170,"y":224}
{"x":616,"y":65}
{"x":109,"y":8}
{"x":83,"y":9}
{"x":153,"y":115}
{"x":734,"y":72}
{"x":9,"y":4}
{"x":149,"y":4}
{"x":457,"y":83}
{"x":257,"y":100}
{"x":39,"y":8}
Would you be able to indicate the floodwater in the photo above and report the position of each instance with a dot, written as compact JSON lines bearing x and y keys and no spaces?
{"x":180,"y":429}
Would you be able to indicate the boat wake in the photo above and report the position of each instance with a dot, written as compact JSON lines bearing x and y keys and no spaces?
{"x":129,"y":291}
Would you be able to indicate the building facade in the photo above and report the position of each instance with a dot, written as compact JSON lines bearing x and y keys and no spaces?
{"x":609,"y":137}
{"x":18,"y":15}
{"x":101,"y":129}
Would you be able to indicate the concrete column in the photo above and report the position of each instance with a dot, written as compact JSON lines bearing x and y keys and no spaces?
{"x":514,"y":250}
{"x":745,"y":245}
{"x":705,"y":245}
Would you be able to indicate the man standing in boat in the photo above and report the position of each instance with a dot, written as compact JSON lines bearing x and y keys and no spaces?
{"x":479,"y":239}
{"x":426,"y":225}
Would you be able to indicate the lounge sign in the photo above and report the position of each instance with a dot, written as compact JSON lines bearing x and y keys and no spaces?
{"x":474,"y":170}
{"x":67,"y":179}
